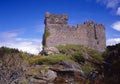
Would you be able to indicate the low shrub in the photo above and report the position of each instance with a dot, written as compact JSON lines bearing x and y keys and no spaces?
{"x":78,"y":57}
{"x":86,"y":69}
{"x":34,"y":60}
{"x":24,"y":55}
{"x":95,"y":54}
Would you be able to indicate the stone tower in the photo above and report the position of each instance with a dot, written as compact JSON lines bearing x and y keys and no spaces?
{"x":58,"y":32}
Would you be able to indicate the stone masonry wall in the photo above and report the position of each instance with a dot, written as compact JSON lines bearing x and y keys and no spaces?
{"x":88,"y":34}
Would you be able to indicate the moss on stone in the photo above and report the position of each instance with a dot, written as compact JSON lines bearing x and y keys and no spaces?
{"x":36,"y":71}
{"x":46,"y":34}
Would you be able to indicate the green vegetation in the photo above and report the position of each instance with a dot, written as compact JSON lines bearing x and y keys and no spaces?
{"x":36,"y":71}
{"x":5,"y":50}
{"x":24,"y":55}
{"x":87,"y":69}
{"x":78,"y":52}
{"x":34,"y":60}
{"x":46,"y":34}
{"x":96,"y":55}
{"x":78,"y":57}
{"x":69,"y":53}
{"x":11,"y":60}
{"x":69,"y":48}
{"x":51,"y":59}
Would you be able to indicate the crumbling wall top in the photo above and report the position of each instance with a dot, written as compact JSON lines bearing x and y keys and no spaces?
{"x":89,"y":34}
{"x":56,"y":18}
{"x":93,"y":24}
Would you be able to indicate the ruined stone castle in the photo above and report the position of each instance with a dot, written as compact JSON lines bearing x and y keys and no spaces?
{"x":58,"y":32}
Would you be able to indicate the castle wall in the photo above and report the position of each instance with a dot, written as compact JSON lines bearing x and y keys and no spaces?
{"x":66,"y":35}
{"x":88,"y":34}
{"x":96,"y":36}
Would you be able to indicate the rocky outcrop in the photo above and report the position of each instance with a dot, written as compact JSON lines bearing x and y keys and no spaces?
{"x":49,"y":51}
{"x":68,"y":73}
{"x":13,"y":69}
{"x":40,"y":75}
{"x":63,"y":72}
{"x":10,"y":68}
{"x":111,"y":65}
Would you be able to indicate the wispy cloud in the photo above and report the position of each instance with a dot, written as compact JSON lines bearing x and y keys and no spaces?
{"x":116,"y":25}
{"x":118,"y":11}
{"x":116,"y":35}
{"x":113,"y":4}
{"x":29,"y":45}
{"x":11,"y":39}
{"x":113,"y":41}
{"x":109,"y":3}
{"x":8,"y":34}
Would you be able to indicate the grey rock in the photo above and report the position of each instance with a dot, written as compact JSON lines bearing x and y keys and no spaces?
{"x":68,"y":67}
{"x":50,"y":51}
{"x":48,"y":75}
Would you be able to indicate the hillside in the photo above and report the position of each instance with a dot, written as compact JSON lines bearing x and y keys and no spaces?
{"x":73,"y":64}
{"x":112,"y":65}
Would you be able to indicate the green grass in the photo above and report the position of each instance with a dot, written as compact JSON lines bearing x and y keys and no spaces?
{"x":34,"y":60}
{"x":36,"y":71}
{"x":79,"y":51}
{"x":78,"y":57}
{"x":87,"y":69}
{"x":70,"y":47}
{"x":75,"y":52}
{"x":96,"y":55}
{"x":51,"y":59}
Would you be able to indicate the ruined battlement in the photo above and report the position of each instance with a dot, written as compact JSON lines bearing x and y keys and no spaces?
{"x":55,"y":19}
{"x":88,"y":34}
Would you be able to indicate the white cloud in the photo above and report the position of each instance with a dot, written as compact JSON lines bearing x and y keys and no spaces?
{"x":109,"y":3}
{"x":116,"y":26}
{"x":32,"y":46}
{"x":113,"y":41}
{"x":8,"y":34}
{"x":116,"y":35}
{"x":118,"y":11}
{"x":10,"y":39}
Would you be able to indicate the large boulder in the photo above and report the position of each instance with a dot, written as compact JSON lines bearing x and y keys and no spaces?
{"x":49,"y":51}
{"x":40,"y":74}
{"x":68,"y":72}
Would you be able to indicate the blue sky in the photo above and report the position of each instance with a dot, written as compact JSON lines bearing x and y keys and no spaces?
{"x":22,"y":21}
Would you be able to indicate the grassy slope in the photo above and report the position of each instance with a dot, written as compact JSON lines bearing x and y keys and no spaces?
{"x":69,"y":53}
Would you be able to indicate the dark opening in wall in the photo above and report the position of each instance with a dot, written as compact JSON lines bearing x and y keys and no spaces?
{"x":97,"y":42}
